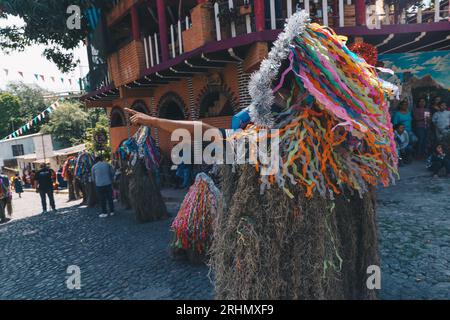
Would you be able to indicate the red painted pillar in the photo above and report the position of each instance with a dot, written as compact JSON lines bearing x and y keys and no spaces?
{"x":260,"y":19}
{"x":135,"y":23}
{"x":163,"y":29}
{"x":360,"y":10}
{"x":201,"y":1}
{"x":335,"y":8}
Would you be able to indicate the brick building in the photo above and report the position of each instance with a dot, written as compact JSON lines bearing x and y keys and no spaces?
{"x":192,"y":59}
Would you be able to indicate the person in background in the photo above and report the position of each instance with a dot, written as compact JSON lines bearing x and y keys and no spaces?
{"x":44,"y":185}
{"x":18,"y":187}
{"x":435,"y":107}
{"x":422,"y":115}
{"x":32,"y":178}
{"x":403,"y":116}
{"x":60,"y":179}
{"x":441,"y":121}
{"x":25,"y":180}
{"x":103,"y":175}
{"x":404,"y":149}
{"x":439,"y":160}
{"x":5,"y":198}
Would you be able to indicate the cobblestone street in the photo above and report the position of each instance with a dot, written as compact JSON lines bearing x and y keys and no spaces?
{"x":414,"y":229}
{"x":120,"y":259}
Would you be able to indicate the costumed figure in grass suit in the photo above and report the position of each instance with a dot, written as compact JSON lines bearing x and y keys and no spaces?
{"x":122,"y":158}
{"x":144,"y":193}
{"x":192,"y":227}
{"x":303,"y":225}
{"x":5,"y":198}
{"x":68,"y":174}
{"x":83,"y":167}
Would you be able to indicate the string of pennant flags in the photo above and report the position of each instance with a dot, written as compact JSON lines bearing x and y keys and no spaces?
{"x":26,"y":127}
{"x":39,"y":77}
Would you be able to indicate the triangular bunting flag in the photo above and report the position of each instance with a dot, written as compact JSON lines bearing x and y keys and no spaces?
{"x":21,"y":73}
{"x":42,"y":77}
{"x":36,"y":76}
{"x":53,"y":79}
{"x":62,"y":80}
{"x":6,"y":71}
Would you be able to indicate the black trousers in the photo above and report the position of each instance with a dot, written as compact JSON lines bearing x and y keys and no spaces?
{"x":51,"y":198}
{"x":105,"y":195}
{"x":3,"y":209}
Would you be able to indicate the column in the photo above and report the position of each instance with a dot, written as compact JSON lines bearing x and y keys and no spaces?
{"x":163,"y":30}
{"x":259,"y":15}
{"x":360,"y":10}
{"x":135,"y":23}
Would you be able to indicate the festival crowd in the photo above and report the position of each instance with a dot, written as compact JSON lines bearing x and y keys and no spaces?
{"x":422,"y":132}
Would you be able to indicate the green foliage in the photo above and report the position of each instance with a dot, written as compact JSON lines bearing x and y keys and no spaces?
{"x":9,"y":104}
{"x":45,"y":24}
{"x":68,"y":124}
{"x":101,"y":125}
{"x":31,"y":102}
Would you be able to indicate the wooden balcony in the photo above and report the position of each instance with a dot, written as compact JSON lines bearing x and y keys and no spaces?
{"x":120,"y":9}
{"x":206,"y":31}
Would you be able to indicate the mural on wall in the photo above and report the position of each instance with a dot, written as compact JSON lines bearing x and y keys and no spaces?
{"x":421,"y":74}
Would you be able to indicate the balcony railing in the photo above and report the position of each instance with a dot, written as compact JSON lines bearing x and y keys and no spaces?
{"x":96,"y":79}
{"x":233,"y":18}
{"x":152,"y":46}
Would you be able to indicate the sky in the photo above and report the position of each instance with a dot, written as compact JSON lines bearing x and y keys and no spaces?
{"x":31,"y":62}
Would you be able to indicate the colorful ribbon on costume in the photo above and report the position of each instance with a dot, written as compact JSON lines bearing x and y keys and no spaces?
{"x":193,"y":224}
{"x":335,"y":128}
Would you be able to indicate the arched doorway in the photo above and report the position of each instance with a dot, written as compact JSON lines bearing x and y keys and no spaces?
{"x":117,"y":118}
{"x":170,"y":106}
{"x":140,"y":107}
{"x":215,"y":103}
{"x":217,"y":100}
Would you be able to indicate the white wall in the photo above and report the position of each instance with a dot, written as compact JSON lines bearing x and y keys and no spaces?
{"x":28,"y":142}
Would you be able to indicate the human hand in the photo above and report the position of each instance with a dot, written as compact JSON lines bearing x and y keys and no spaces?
{"x":139,"y":118}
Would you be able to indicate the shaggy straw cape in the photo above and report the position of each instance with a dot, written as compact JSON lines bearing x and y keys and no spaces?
{"x":310,"y":232}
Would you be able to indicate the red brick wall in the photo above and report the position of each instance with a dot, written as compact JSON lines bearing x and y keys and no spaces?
{"x":229,"y":76}
{"x":118,"y":134}
{"x":126,"y":64}
{"x":202,"y":30}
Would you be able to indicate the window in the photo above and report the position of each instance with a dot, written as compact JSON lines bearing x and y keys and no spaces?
{"x":17,"y":150}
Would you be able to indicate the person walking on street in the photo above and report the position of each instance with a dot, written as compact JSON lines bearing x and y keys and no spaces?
{"x":103,"y":175}
{"x":5,"y":198}
{"x":18,"y":186}
{"x":422,"y":117}
{"x":44,"y":185}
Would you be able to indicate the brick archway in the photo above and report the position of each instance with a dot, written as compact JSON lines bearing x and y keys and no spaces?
{"x":117,"y":118}
{"x":140,"y":106}
{"x":221,"y":92}
{"x":172,"y":106}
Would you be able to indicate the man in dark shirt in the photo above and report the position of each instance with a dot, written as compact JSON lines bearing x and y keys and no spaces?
{"x":44,"y":185}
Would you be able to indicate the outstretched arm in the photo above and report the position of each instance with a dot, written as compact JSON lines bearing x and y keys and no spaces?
{"x":139,"y":118}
